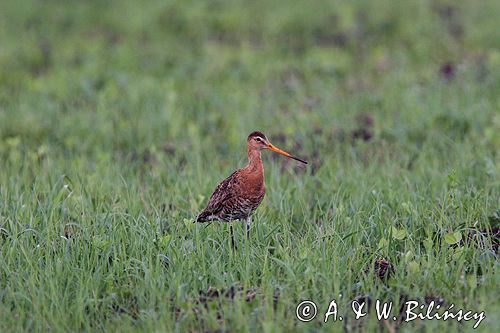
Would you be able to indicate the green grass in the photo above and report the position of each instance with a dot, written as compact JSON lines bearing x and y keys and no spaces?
{"x":118,"y":119}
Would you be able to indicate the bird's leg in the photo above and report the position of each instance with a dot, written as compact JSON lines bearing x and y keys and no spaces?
{"x":249,"y":222}
{"x":233,"y":245}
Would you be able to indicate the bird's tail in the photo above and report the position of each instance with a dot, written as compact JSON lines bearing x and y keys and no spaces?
{"x":203,"y":217}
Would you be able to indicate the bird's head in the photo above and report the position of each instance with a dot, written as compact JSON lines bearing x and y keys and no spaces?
{"x":258,"y":141}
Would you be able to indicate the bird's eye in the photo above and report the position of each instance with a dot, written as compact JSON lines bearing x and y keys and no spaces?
{"x":258,"y":139}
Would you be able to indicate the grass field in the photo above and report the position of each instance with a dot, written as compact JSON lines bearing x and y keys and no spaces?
{"x":118,"y":119}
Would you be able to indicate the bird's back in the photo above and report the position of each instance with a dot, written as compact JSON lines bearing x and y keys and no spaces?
{"x":235,"y":198}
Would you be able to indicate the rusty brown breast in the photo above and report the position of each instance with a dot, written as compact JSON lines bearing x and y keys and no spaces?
{"x":239,"y":195}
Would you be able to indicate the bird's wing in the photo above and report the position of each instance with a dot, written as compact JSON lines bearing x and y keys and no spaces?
{"x":226,"y":190}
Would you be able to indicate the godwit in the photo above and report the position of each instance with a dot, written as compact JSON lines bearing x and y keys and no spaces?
{"x":239,"y":195}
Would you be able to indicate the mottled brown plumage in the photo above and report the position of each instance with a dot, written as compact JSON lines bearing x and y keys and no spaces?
{"x":239,"y":195}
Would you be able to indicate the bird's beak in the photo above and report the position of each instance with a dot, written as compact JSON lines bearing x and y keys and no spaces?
{"x":282,"y":152}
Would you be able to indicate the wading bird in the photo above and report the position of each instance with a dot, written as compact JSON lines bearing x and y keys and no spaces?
{"x":239,"y":195}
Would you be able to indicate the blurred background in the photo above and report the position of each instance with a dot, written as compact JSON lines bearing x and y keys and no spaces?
{"x":118,"y":119}
{"x":119,"y":77}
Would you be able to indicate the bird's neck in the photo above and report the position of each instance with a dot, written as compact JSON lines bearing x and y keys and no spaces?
{"x":254,"y":160}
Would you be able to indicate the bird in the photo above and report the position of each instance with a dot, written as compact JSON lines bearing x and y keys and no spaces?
{"x":238,"y":196}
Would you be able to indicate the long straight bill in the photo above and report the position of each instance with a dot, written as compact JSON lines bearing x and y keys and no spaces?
{"x":284,"y":153}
